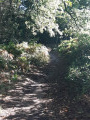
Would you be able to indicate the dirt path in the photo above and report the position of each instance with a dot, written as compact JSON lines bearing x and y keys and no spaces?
{"x":38,"y":96}
{"x":28,"y":99}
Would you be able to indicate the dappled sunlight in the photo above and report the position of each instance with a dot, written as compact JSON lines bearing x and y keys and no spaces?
{"x":27,"y":97}
{"x":45,"y":60}
{"x":43,"y":94}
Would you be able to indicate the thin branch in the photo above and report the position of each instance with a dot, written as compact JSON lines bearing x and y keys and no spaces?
{"x":69,"y":13}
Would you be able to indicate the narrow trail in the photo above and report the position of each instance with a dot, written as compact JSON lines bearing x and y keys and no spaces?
{"x":38,"y":96}
{"x":28,"y":99}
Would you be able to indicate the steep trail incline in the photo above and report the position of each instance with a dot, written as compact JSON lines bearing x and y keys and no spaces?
{"x":42,"y":94}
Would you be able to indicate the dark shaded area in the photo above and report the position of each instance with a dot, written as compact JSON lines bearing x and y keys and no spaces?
{"x":47,"y":40}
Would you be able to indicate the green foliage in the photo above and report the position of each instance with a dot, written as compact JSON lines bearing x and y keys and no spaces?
{"x":23,"y":55}
{"x":79,"y":75}
{"x":3,"y":63}
{"x":22,"y":59}
{"x":40,"y":56}
{"x":33,"y":54}
{"x":83,"y":3}
{"x":23,"y":63}
{"x":6,"y":64}
{"x":11,"y":48}
{"x":39,"y":59}
{"x":77,"y":55}
{"x":14,"y":77}
{"x":51,"y":16}
{"x":68,"y":47}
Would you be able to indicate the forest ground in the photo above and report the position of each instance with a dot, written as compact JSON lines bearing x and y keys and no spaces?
{"x":42,"y":94}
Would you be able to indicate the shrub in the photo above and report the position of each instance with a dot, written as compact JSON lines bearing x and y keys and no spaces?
{"x":34,"y":53}
{"x":3,"y":63}
{"x":24,"y":55}
{"x":77,"y":53}
{"x":68,"y":47}
{"x":11,"y":48}
{"x":79,"y":75}
{"x":41,"y":55}
{"x":5,"y":59}
{"x":23,"y":63}
{"x":23,"y":46}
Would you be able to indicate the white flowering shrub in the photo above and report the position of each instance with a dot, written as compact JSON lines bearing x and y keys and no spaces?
{"x":23,"y":45}
{"x":41,"y":55}
{"x":32,"y":54}
{"x":36,"y":54}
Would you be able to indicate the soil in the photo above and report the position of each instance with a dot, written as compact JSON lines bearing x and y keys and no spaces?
{"x":43,"y":94}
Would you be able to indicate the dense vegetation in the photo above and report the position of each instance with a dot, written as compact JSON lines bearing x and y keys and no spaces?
{"x":26,"y":20}
{"x":26,"y":26}
{"x":76,"y":53}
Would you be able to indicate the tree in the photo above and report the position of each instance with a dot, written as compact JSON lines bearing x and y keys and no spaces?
{"x":21,"y":19}
{"x":42,"y":16}
{"x":8,"y":24}
{"x":46,"y":15}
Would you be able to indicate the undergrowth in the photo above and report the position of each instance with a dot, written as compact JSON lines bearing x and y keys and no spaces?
{"x":76,"y":52}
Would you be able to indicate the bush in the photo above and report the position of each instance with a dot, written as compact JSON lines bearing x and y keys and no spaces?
{"x":77,"y":53}
{"x":5,"y":59}
{"x":35,"y":54}
{"x":68,"y":47}
{"x":22,"y":56}
{"x":79,"y":75}
{"x":40,"y":56}
{"x":3,"y":63}
{"x":11,"y":48}
{"x":23,"y":63}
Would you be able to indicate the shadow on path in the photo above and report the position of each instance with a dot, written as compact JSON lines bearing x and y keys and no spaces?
{"x":38,"y":96}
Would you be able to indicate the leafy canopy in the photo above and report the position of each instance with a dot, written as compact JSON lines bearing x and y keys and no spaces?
{"x":29,"y":17}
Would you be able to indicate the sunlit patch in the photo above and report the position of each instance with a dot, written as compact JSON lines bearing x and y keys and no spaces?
{"x":63,"y":110}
